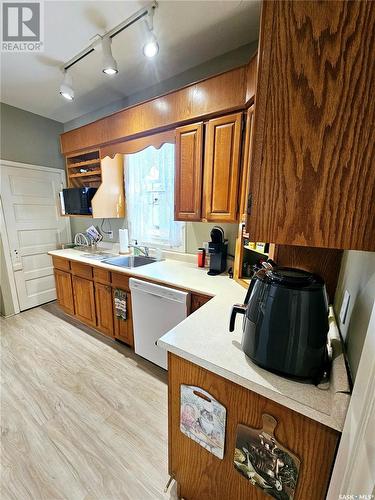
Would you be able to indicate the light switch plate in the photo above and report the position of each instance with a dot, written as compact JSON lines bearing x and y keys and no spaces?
{"x":344,"y":307}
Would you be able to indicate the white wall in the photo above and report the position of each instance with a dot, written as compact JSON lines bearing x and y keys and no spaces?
{"x":357,"y":275}
{"x":30,"y":138}
{"x":26,"y":138}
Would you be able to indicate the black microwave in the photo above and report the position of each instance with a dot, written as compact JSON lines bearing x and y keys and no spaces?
{"x":77,"y":201}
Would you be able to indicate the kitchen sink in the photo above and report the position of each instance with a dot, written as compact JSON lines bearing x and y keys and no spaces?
{"x":98,"y":255}
{"x":129,"y":261}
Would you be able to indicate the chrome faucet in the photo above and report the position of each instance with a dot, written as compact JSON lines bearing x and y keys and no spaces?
{"x":142,"y":248}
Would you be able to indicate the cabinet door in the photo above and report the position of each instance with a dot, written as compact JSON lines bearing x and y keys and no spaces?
{"x":188,"y":172}
{"x":245,"y":177}
{"x":104,"y":312}
{"x":84,"y":300}
{"x":313,"y":176}
{"x":124,"y":328}
{"x":222,"y":168}
{"x":64,"y":290}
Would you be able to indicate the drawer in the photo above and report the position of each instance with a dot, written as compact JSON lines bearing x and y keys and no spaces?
{"x":102,"y":275}
{"x":82,"y":270}
{"x":120,"y":281}
{"x":60,"y":263}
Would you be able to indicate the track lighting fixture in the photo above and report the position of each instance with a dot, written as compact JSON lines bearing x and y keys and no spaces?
{"x":104,"y":42}
{"x":109,"y":62}
{"x":151,"y":47}
{"x":66,"y":87}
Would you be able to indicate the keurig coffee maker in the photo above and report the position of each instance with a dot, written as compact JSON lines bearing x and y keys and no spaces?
{"x":217,"y":249}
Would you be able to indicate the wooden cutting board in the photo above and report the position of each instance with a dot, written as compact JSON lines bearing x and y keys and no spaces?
{"x":266,"y":463}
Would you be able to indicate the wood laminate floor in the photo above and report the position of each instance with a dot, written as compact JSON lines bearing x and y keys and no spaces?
{"x":82,"y":417}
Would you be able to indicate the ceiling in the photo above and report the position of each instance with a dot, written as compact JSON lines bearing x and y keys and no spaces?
{"x":189,"y":33}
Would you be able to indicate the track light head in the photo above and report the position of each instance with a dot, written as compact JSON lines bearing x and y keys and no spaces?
{"x":109,"y":62}
{"x":66,"y":87}
{"x":151,"y":46}
{"x":150,"y":49}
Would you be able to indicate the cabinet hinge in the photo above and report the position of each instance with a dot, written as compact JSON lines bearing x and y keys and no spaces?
{"x":249,"y":203}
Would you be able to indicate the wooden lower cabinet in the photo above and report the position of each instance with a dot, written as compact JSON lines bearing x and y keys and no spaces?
{"x":84,"y":300}
{"x":200,"y":474}
{"x":64,"y":290}
{"x":198,"y":301}
{"x":124,"y":328}
{"x":104,"y":309}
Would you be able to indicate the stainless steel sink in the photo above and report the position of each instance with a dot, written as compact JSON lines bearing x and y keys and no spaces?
{"x":129,"y":261}
{"x":98,"y":255}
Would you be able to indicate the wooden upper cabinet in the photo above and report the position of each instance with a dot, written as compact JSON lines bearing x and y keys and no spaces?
{"x":188,"y":172}
{"x":251,"y":79}
{"x":84,"y":300}
{"x":109,"y":201}
{"x":106,"y":174}
{"x":222,"y":168}
{"x":64,"y":289}
{"x":313,"y":177}
{"x":246,"y":167}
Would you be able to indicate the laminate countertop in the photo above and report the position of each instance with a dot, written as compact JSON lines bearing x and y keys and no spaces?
{"x":204,"y":339}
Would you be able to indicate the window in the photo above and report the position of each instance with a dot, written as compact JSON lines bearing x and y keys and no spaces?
{"x":149,"y":188}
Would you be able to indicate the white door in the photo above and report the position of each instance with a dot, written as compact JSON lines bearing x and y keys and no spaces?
{"x":33,"y":226}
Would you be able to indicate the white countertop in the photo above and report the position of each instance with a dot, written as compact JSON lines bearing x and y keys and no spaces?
{"x":204,"y":339}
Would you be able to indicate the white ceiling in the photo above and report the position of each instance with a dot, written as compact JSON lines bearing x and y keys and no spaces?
{"x":189,"y":33}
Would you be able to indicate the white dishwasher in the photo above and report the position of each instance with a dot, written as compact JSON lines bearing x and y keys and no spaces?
{"x":156,"y":310}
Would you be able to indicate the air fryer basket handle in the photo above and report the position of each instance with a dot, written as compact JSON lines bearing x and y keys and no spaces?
{"x":237,"y":308}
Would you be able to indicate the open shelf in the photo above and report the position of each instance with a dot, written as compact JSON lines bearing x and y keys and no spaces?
{"x":256,"y":251}
{"x":95,"y":161}
{"x":92,"y":173}
{"x":246,"y":257}
{"x":88,"y":161}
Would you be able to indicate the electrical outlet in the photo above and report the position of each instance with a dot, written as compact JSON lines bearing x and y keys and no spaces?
{"x":344,"y":307}
{"x":110,"y":235}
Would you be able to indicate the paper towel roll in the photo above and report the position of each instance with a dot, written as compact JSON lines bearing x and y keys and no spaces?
{"x":124,"y":240}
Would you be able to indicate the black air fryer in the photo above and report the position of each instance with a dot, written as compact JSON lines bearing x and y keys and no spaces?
{"x":285,"y":323}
